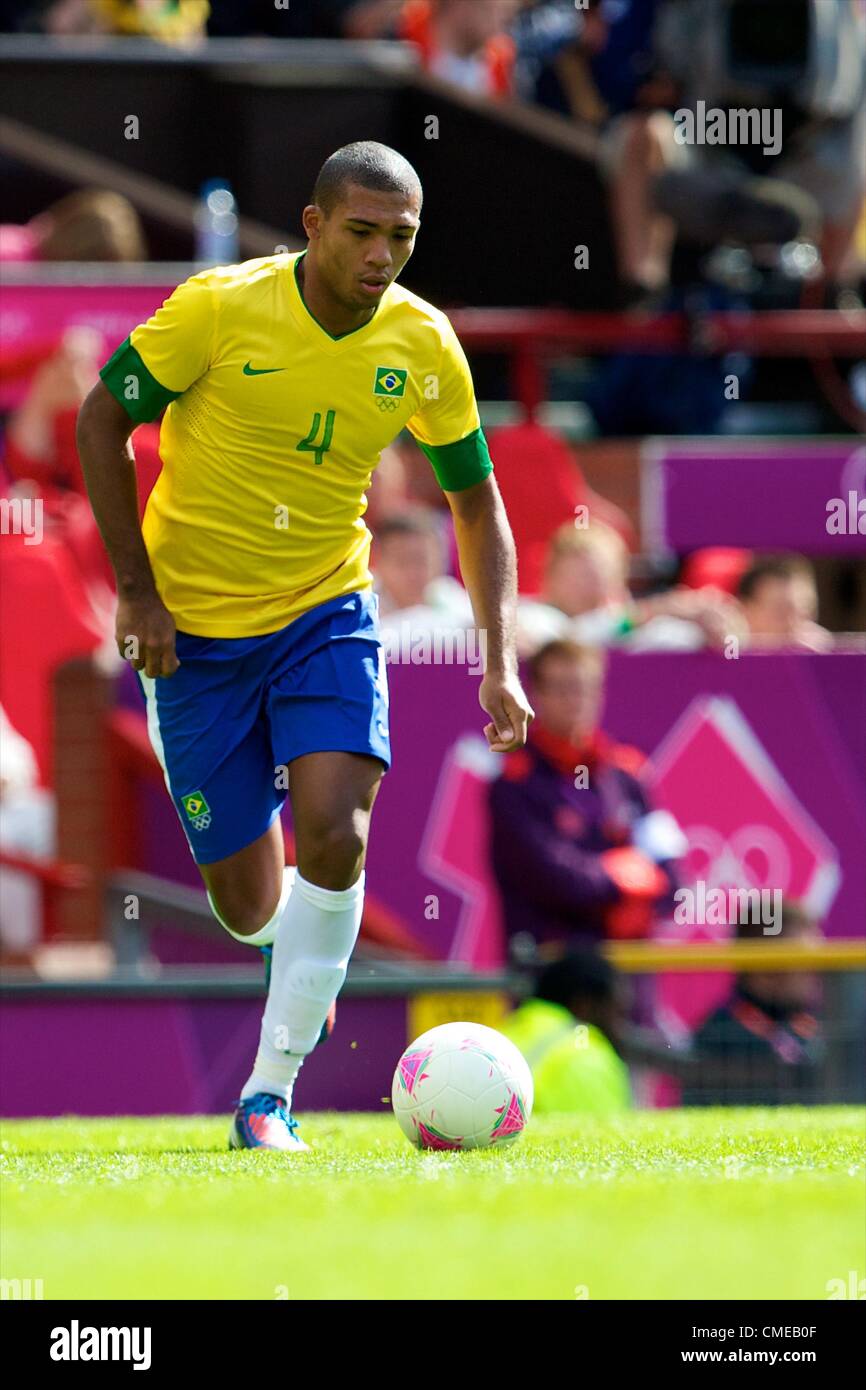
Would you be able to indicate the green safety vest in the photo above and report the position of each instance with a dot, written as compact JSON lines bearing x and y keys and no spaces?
{"x":574,"y":1067}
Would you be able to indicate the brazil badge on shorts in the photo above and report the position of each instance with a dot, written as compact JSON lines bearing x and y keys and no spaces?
{"x":197,"y":810}
{"x":390,"y":386}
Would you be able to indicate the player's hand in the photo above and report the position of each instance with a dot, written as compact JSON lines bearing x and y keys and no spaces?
{"x":504,"y":700}
{"x":145,"y":635}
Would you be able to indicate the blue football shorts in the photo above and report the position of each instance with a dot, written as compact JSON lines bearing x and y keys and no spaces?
{"x":238,"y":710}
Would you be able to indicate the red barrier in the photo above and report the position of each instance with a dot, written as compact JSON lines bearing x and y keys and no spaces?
{"x":54,"y":877}
{"x":530,"y":336}
{"x":770,"y":333}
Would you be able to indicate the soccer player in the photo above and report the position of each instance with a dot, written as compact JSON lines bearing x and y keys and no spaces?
{"x":245,"y":597}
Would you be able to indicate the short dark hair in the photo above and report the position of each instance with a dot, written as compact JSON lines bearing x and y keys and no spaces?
{"x":368,"y":164}
{"x":580,"y":972}
{"x":564,"y":649}
{"x":772,"y":567}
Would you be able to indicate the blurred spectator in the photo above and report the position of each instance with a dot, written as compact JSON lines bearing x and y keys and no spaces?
{"x":780,"y":602}
{"x":93,"y":224}
{"x":408,"y":563}
{"x":542,"y":30}
{"x":464,"y":41}
{"x":367,"y":19}
{"x":632,"y":63}
{"x":597,"y":65}
{"x":525,"y":452}
{"x":407,"y":557}
{"x":586,"y":597}
{"x":567,"y":1030}
{"x":305,"y":19}
{"x":762,"y":1047}
{"x":388,"y":491}
{"x":37,"y":448}
{"x":26,"y":828}
{"x":804,"y":64}
{"x":619,"y":41}
{"x":42,"y":461}
{"x":169,"y":21}
{"x":577,"y":849}
{"x":638,"y":144}
{"x":408,"y":475}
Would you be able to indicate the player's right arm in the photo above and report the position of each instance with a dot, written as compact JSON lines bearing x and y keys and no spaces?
{"x":144,"y":628}
{"x":160,"y":360}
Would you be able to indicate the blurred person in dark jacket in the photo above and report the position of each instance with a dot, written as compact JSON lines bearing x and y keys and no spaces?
{"x":577,"y":849}
{"x":763,"y":1045}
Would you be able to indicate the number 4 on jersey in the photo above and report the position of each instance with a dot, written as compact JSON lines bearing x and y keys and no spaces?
{"x":309,"y":444}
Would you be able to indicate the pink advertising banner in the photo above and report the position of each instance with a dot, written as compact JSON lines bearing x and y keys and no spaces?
{"x":36,"y":316}
{"x":765,"y":494}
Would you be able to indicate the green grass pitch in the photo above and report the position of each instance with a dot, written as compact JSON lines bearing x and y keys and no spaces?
{"x":748,"y":1204}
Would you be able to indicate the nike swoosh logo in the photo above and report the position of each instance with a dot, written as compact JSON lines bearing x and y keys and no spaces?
{"x":260,"y":371}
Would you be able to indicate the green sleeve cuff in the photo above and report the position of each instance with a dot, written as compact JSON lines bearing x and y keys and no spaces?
{"x":130,"y":382}
{"x":460,"y":465}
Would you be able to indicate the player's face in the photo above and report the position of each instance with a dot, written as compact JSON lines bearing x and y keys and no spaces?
{"x":364,"y":244}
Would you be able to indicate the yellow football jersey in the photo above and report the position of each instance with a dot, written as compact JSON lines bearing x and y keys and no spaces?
{"x":271,"y":434}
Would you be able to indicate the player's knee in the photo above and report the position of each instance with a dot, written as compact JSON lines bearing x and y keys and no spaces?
{"x":243,"y":913}
{"x":334,"y":854}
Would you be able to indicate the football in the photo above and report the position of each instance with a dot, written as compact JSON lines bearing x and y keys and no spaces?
{"x":462,"y":1086}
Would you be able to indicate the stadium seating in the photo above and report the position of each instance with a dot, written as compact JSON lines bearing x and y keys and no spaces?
{"x":542,"y":487}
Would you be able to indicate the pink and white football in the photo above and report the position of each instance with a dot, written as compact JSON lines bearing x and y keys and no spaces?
{"x":462,"y":1086}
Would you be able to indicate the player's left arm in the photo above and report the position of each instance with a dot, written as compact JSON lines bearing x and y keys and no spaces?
{"x":448,"y":429}
{"x":488,"y":564}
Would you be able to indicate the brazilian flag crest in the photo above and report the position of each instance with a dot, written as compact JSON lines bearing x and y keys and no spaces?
{"x":390,"y":381}
{"x":195,"y":805}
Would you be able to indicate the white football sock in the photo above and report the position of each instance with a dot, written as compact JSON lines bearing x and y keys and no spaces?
{"x":266,"y":934}
{"x":313,"y":944}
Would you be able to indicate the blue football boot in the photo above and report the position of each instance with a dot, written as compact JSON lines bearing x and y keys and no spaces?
{"x":263,"y":1121}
